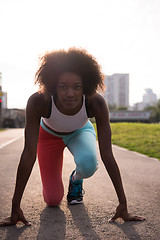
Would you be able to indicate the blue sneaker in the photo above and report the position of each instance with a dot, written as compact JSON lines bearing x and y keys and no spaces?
{"x":75,"y":191}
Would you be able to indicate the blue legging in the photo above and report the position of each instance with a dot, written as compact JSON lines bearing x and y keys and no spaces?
{"x":81,"y":143}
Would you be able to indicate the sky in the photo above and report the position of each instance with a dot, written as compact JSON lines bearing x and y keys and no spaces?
{"x":123,"y":35}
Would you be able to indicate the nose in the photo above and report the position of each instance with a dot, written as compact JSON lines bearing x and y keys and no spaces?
{"x":70,"y":92}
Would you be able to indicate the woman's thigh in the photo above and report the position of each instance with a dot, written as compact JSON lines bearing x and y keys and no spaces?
{"x":50,"y":157}
{"x":83,"y":147}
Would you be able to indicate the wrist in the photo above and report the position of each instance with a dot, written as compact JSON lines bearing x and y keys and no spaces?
{"x":15,"y":204}
{"x":123,"y":201}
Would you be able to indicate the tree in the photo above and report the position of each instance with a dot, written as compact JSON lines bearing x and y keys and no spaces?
{"x":155,"y":112}
{"x":112,"y":107}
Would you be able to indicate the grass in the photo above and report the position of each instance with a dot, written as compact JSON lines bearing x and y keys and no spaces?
{"x":2,"y":129}
{"x":139,"y":137}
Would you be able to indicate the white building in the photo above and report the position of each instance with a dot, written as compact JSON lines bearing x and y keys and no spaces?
{"x":149,"y":99}
{"x":117,"y":90}
{"x":3,"y":95}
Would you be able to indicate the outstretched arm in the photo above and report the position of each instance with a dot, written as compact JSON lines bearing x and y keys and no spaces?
{"x":100,"y":111}
{"x":26,"y":163}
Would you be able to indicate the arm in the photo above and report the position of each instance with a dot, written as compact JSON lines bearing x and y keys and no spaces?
{"x":101,"y":114}
{"x":27,"y":160}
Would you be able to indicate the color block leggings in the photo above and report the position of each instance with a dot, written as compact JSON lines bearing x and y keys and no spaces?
{"x":82,"y":145}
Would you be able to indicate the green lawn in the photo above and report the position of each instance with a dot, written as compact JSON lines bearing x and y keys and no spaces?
{"x":2,"y":129}
{"x":139,"y":137}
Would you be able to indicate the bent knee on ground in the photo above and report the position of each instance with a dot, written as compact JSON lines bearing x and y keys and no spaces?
{"x":53,"y":196}
{"x":53,"y":201}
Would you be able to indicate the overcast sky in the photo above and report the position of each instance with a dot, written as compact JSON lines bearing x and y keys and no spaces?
{"x":124,"y":36}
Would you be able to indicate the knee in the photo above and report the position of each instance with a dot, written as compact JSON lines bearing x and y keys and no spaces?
{"x":88,"y":165}
{"x":53,"y":201}
{"x":53,"y":198}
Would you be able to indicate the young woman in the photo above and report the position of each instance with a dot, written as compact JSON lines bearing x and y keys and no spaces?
{"x":57,"y":117}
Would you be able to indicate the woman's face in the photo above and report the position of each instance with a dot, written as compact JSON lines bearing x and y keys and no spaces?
{"x":69,"y":93}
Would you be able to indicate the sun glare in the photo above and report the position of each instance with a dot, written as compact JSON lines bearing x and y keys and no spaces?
{"x":123,"y":35}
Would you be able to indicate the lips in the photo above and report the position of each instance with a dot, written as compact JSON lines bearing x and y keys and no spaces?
{"x":70,"y":101}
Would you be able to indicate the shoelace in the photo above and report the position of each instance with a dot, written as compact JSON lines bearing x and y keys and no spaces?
{"x":77,"y":189}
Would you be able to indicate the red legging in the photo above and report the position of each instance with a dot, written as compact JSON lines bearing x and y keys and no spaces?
{"x":50,"y":157}
{"x":81,"y":144}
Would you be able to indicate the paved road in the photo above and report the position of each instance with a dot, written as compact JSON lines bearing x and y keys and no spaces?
{"x":89,"y":221}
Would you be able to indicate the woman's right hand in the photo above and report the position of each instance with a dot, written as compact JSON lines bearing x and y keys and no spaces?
{"x":16,"y":216}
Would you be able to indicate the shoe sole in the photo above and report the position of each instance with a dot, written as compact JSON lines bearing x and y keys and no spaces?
{"x":74,"y":202}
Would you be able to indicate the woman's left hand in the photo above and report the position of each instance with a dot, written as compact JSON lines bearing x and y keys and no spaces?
{"x":121,"y":212}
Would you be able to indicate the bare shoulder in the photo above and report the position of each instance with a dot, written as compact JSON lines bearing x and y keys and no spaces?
{"x":38,"y":104}
{"x":36,"y":98}
{"x":97,"y":105}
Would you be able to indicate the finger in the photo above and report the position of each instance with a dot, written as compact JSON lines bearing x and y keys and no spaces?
{"x":114,"y":218}
{"x":135,"y":218}
{"x":111,"y":220}
{"x":7,"y":223}
{"x":11,"y":223}
{"x":23,"y":220}
{"x":27,"y":223}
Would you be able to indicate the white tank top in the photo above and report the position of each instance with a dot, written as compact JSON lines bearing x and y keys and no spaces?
{"x":66,"y":123}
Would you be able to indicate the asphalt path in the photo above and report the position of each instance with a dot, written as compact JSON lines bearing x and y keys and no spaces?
{"x":141,"y":179}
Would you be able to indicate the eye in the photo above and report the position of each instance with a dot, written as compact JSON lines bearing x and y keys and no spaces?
{"x":62,"y":87}
{"x":77,"y":87}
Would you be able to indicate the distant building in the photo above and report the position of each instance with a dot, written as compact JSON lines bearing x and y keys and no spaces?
{"x":0,"y":81}
{"x":129,"y":116}
{"x":149,"y":99}
{"x":3,"y":95}
{"x":117,"y":90}
{"x":139,"y":106}
{"x":4,"y":99}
